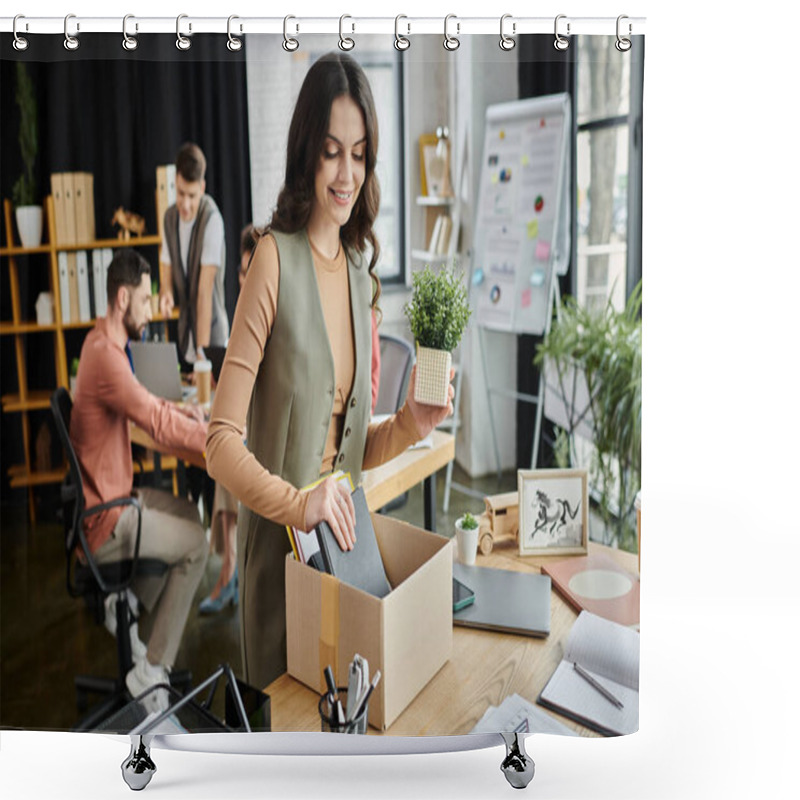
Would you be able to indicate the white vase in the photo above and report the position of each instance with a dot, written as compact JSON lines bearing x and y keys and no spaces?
{"x":433,"y":376}
{"x":29,"y":225}
{"x":466,"y":543}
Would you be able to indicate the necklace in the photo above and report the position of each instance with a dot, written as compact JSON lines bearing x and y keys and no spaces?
{"x":320,"y":253}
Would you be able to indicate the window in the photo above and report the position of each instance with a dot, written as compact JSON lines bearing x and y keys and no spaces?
{"x":608,"y":111}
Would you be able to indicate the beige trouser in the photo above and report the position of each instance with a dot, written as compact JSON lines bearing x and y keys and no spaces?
{"x":171,"y":532}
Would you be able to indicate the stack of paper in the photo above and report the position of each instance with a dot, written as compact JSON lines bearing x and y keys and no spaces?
{"x":516,"y":715}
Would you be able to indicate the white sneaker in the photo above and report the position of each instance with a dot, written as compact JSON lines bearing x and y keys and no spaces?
{"x":143,"y":676}
{"x":138,"y":647}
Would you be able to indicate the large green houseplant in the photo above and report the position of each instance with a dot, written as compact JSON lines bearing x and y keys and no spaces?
{"x":437,"y":313}
{"x":601,"y":351}
{"x":28,"y":214}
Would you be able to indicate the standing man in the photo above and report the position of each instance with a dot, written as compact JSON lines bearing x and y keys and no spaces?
{"x":193,"y":259}
{"x":107,"y":397}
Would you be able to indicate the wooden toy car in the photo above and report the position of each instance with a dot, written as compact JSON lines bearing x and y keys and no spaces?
{"x":500,"y":520}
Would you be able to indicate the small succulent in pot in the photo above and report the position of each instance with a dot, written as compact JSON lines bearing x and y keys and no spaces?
{"x":437,"y":313}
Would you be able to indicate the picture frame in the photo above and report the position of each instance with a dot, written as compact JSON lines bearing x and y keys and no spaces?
{"x":553,"y":512}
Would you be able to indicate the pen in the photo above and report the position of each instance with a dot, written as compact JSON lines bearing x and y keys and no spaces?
{"x":363,"y":703}
{"x":600,"y":688}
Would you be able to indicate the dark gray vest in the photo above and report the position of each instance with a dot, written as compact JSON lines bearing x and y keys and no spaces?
{"x":184,"y":285}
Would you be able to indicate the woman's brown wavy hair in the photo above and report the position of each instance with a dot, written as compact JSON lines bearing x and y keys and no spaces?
{"x":331,"y":76}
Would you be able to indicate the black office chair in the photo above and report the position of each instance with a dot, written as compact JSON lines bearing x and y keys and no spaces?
{"x":94,"y":582}
{"x":397,"y":359}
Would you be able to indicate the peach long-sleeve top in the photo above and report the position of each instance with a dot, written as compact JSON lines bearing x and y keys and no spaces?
{"x":227,"y":457}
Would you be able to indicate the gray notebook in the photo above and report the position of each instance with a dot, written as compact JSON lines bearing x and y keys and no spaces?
{"x":514,"y":602}
{"x":362,"y":566}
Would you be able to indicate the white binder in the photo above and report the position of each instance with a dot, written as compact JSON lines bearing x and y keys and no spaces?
{"x":63,"y":286}
{"x":99,"y":283}
{"x":84,"y":303}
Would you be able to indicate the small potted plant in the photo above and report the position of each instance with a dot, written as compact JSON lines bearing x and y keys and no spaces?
{"x":467,"y":538}
{"x":28,"y":214}
{"x":437,"y":313}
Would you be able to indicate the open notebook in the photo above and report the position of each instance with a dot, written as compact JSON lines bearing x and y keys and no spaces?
{"x":609,"y":653}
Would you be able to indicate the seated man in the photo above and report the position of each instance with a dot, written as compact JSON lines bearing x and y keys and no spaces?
{"x":107,"y":396}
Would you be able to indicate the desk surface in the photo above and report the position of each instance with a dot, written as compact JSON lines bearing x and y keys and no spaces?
{"x":484,"y":668}
{"x":381,"y":484}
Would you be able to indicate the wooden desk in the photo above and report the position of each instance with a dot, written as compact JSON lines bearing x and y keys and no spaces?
{"x":484,"y":668}
{"x":381,"y":484}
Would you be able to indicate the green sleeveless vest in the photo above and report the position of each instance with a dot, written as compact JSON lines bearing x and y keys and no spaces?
{"x":287,"y":426}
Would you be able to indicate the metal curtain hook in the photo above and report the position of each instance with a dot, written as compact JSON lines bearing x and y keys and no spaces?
{"x":182,"y":42}
{"x":71,"y":42}
{"x":451,"y":42}
{"x":234,"y":44}
{"x":289,"y":44}
{"x":401,"y":42}
{"x":506,"y":42}
{"x":20,"y":42}
{"x":623,"y":44}
{"x":561,"y":43}
{"x":129,"y":42}
{"x":345,"y":42}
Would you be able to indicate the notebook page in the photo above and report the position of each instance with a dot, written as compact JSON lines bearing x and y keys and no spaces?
{"x":605,"y":648}
{"x":568,"y":691}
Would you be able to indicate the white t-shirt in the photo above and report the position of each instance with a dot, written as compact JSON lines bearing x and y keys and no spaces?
{"x":211,"y":256}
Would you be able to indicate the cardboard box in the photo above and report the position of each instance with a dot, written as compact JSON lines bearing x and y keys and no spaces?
{"x":407,"y":635}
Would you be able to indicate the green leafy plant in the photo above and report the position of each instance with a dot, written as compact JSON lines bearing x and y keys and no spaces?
{"x":73,"y":367}
{"x":22,"y":192}
{"x":468,"y":522}
{"x":438,"y":311}
{"x":606,"y":346}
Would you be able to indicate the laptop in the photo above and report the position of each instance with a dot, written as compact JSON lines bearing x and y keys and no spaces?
{"x":155,"y":365}
{"x":514,"y":602}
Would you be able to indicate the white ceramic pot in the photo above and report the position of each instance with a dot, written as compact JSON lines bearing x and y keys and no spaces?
{"x":466,"y":543}
{"x":29,"y":225}
{"x":433,"y":376}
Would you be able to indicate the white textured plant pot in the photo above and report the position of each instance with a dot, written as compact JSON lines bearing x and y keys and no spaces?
{"x":29,"y":225}
{"x":466,"y":543}
{"x":433,"y":376}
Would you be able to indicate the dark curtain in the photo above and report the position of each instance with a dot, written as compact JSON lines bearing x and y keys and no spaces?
{"x":542,"y":70}
{"x":119,"y":115}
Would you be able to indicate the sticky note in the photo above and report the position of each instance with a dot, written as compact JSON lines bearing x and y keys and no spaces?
{"x":537,"y":277}
{"x":533,"y":228}
{"x":525,"y":300}
{"x":495,"y":178}
{"x":542,"y":250}
{"x":477,"y":277}
{"x":502,"y":134}
{"x":525,"y":161}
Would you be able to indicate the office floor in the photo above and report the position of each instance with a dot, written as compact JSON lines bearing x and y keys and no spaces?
{"x":46,"y":637}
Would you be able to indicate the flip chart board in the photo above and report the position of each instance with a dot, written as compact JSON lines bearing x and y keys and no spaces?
{"x":522,"y":230}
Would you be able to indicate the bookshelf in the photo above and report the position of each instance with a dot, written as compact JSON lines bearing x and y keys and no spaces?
{"x":25,"y":401}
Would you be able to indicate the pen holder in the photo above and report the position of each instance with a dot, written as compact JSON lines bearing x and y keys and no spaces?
{"x":330,"y":722}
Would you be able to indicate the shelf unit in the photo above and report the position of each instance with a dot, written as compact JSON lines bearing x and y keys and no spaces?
{"x":434,"y":207}
{"x":26,"y":400}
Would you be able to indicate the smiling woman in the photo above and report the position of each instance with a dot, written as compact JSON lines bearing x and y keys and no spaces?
{"x":297,"y":368}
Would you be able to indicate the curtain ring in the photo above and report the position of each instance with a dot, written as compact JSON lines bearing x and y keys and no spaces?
{"x":71,"y":43}
{"x":129,"y":42}
{"x":345,"y":42}
{"x":623,"y":44}
{"x":451,"y":42}
{"x":506,"y":42}
{"x":289,"y":44}
{"x":234,"y":44}
{"x":20,"y":42}
{"x":560,"y":42}
{"x":182,"y":42}
{"x":401,"y":42}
